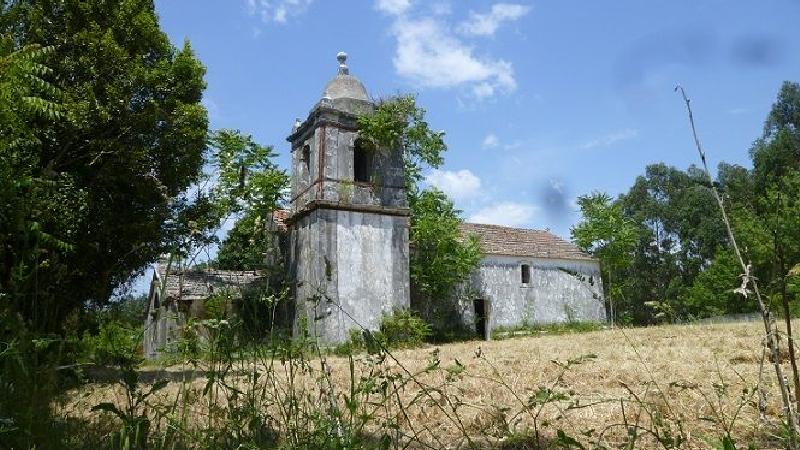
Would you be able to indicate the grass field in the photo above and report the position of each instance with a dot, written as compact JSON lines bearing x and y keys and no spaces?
{"x":690,"y":382}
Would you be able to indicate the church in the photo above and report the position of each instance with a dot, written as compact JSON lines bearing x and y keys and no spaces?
{"x":347,"y":251}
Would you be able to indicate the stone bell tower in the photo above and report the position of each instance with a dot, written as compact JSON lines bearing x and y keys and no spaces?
{"x":348,"y":218}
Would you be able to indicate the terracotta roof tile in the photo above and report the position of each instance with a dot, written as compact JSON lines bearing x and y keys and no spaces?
{"x":499,"y":240}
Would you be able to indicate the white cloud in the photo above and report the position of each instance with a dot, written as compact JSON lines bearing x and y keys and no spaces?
{"x":459,"y":185}
{"x":441,"y":8}
{"x":491,"y":141}
{"x":487,"y":24}
{"x":611,"y":138}
{"x":393,"y":7}
{"x":277,"y":10}
{"x":431,"y":55}
{"x":506,"y":213}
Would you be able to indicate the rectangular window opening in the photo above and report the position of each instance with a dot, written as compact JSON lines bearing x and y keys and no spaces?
{"x":526,"y":274}
{"x":361,"y":163}
{"x":306,"y":157}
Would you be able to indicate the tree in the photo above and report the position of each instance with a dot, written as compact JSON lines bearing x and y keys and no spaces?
{"x":131,"y":140}
{"x":242,"y":181}
{"x":610,"y":236}
{"x":776,"y":179}
{"x":441,"y":256}
{"x":246,"y":245}
{"x":398,"y":121}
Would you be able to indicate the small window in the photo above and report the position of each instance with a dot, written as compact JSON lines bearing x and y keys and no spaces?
{"x":526,"y":274}
{"x":306,"y":156}
{"x":362,"y":162}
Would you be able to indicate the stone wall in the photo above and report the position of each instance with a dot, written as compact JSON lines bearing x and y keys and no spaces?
{"x":328,"y":174}
{"x":351,"y":268}
{"x":560,"y":290}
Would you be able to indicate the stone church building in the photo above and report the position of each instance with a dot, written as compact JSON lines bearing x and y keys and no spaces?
{"x":348,"y":243}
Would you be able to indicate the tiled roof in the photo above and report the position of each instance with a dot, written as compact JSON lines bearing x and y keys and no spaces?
{"x":499,"y":240}
{"x":199,"y":284}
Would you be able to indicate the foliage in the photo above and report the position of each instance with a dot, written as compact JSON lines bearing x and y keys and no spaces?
{"x":441,"y":256}
{"x":608,"y":235}
{"x":116,"y":344}
{"x":251,"y":244}
{"x":400,"y":329}
{"x":404,"y":329}
{"x":679,"y":260}
{"x":399,"y":122}
{"x":242,"y":181}
{"x":248,"y":180}
{"x":712,"y":293}
{"x":127,"y":136}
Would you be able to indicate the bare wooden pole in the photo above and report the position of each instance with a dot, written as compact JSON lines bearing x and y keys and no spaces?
{"x":770,"y":329}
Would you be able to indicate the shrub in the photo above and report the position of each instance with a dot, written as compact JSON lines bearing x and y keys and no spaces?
{"x":403,"y":329}
{"x":115,"y":344}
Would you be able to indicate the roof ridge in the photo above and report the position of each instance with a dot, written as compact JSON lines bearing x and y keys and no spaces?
{"x":509,"y":228}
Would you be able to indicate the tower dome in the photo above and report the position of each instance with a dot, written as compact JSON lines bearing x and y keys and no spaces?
{"x":344,"y":85}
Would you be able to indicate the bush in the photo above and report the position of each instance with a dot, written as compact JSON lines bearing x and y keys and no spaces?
{"x":115,"y":344}
{"x":401,"y":329}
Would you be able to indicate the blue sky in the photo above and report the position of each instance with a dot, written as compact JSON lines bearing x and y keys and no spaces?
{"x":541,"y":100}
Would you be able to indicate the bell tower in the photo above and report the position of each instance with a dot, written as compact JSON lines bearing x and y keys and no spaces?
{"x":348,"y":217}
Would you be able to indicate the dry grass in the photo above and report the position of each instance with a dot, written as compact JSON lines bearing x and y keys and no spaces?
{"x":678,"y":371}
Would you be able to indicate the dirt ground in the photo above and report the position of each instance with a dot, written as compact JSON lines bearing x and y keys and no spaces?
{"x":669,"y":383}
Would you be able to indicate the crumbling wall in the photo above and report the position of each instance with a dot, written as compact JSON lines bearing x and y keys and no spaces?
{"x":559,"y":290}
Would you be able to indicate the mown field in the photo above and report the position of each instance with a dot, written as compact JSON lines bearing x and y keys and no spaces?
{"x":680,"y":385}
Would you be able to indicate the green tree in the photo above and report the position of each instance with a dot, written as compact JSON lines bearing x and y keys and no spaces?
{"x":27,"y":385}
{"x":713,"y":291}
{"x":247,"y":185}
{"x":607,"y":234}
{"x":131,"y":140}
{"x":399,"y":121}
{"x":776,"y":181}
{"x":441,"y":256}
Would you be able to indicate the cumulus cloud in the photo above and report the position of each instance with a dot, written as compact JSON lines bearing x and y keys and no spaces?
{"x":430,"y":55}
{"x":611,"y":138}
{"x":459,"y":185}
{"x":506,"y":213}
{"x":491,"y":141}
{"x":486,"y":24}
{"x":277,"y":10}
{"x":393,"y":7}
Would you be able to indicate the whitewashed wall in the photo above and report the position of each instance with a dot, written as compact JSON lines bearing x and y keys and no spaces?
{"x":560,"y":290}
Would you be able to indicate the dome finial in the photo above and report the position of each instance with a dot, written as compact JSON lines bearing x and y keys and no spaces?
{"x":342,"y":58}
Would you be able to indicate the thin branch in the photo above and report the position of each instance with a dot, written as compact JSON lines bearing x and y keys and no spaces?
{"x":770,"y":328}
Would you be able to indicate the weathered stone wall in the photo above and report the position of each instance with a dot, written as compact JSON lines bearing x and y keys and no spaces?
{"x":349,"y":240}
{"x":328,"y":176}
{"x":560,"y":290}
{"x":351,"y":268}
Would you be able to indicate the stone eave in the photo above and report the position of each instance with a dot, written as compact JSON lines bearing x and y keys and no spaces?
{"x":326,"y":204}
